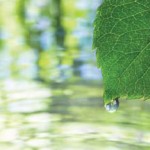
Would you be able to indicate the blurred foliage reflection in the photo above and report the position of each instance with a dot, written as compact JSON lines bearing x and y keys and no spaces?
{"x":51,"y":91}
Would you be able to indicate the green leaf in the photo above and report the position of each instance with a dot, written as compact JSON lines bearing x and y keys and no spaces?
{"x":122,"y":42}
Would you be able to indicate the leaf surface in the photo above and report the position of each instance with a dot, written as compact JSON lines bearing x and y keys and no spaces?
{"x":122,"y":42}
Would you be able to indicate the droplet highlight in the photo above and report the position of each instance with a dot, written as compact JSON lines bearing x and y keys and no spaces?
{"x":112,"y":106}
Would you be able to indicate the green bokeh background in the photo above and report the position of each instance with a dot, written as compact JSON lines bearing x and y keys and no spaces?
{"x":50,"y":88}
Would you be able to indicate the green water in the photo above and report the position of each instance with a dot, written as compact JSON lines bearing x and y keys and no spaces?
{"x":50,"y":88}
{"x":69,"y":116}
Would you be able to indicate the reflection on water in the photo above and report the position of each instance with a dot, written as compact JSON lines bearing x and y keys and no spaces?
{"x":68,"y":116}
{"x":51,"y":91}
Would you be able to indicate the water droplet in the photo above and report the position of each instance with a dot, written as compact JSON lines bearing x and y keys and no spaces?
{"x":112,"y":106}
